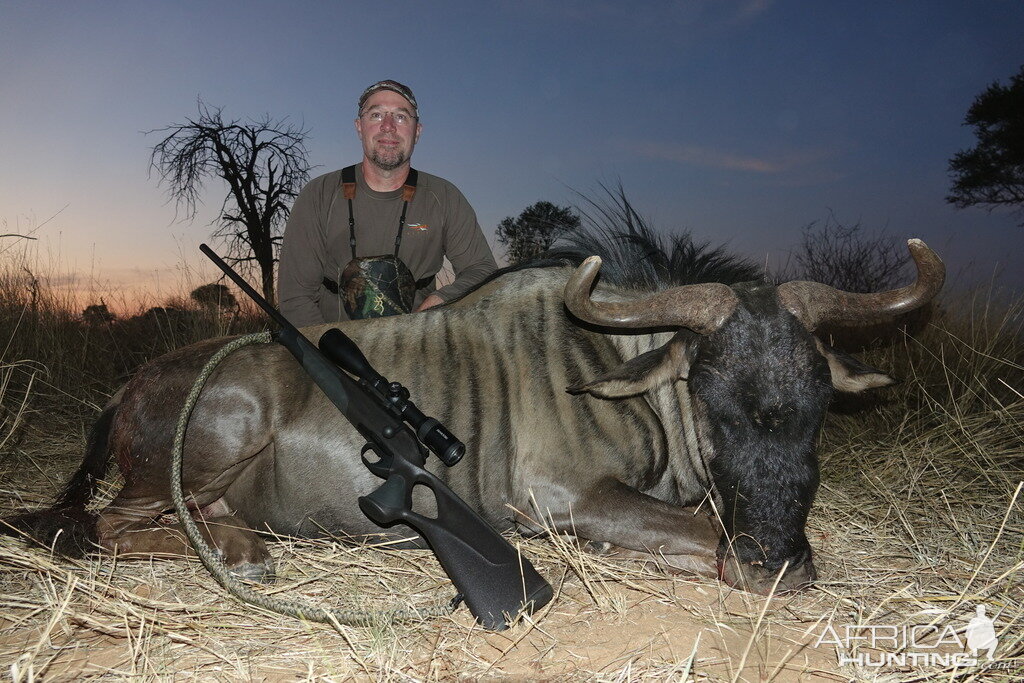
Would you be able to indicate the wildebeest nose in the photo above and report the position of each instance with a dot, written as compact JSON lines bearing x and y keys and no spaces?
{"x":770,"y":418}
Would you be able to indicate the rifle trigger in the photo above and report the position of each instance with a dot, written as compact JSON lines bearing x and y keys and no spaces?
{"x":382,"y":466}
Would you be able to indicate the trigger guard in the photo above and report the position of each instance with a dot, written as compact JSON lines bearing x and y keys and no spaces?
{"x":382,"y":467}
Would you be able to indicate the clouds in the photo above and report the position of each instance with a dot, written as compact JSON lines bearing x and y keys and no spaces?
{"x":695,"y":16}
{"x":710,"y":157}
{"x":742,"y":118}
{"x":747,"y":10}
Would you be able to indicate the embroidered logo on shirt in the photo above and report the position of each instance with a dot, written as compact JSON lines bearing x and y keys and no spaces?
{"x":417,"y":226}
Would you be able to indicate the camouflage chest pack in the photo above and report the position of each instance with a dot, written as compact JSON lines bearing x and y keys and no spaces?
{"x":375,"y":286}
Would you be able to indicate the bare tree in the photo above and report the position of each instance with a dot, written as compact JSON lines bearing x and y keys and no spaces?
{"x":264,"y":165}
{"x":848,"y":258}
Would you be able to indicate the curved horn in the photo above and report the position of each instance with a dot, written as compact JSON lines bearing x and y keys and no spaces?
{"x":815,"y":304}
{"x":702,"y":308}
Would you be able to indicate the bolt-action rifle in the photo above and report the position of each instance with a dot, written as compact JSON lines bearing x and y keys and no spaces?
{"x":495,"y":581}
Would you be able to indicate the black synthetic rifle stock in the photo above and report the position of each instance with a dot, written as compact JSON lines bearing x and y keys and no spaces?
{"x":495,"y":581}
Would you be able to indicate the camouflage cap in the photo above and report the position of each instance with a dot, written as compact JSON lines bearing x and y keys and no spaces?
{"x":393,"y":86}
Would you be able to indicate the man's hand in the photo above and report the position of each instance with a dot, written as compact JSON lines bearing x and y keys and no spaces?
{"x":431,"y":301}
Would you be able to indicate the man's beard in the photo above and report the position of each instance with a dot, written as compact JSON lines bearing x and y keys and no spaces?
{"x":388,"y":161}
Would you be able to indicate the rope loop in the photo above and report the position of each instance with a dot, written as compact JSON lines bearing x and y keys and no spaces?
{"x":211,"y":558}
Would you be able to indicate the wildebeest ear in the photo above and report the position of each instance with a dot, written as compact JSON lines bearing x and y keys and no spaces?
{"x":849,"y":374}
{"x":664,"y":364}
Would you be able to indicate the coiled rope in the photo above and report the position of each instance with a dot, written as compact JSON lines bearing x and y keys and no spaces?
{"x":211,"y":558}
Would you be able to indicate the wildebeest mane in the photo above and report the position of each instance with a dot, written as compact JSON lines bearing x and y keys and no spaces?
{"x":633,"y":255}
{"x":638,"y":258}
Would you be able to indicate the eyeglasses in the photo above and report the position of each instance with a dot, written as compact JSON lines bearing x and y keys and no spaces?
{"x":399,"y":118}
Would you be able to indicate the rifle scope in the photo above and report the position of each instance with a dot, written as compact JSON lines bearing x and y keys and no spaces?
{"x":342,"y":351}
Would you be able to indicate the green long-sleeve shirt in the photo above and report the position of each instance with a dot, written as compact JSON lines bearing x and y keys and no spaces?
{"x":439,"y":222}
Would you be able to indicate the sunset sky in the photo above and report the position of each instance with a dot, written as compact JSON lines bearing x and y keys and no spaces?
{"x":742,"y":121}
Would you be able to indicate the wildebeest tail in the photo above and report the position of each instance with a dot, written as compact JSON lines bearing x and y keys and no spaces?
{"x":67,"y":527}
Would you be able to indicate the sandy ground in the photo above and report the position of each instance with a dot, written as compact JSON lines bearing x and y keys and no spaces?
{"x":678,"y":630}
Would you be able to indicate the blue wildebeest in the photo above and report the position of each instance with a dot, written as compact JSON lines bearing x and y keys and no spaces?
{"x":696,"y":398}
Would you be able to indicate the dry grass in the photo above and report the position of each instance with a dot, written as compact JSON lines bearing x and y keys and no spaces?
{"x":920,"y":517}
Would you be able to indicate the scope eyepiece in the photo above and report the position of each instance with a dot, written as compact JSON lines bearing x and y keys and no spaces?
{"x":440,"y":442}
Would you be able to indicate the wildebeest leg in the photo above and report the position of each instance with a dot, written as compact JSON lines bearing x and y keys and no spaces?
{"x":639,"y":526}
{"x":131,"y":533}
{"x":698,"y":565}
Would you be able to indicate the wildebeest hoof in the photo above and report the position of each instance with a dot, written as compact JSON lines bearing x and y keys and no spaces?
{"x":255,"y":572}
{"x":597,"y":547}
{"x":754,"y":578}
